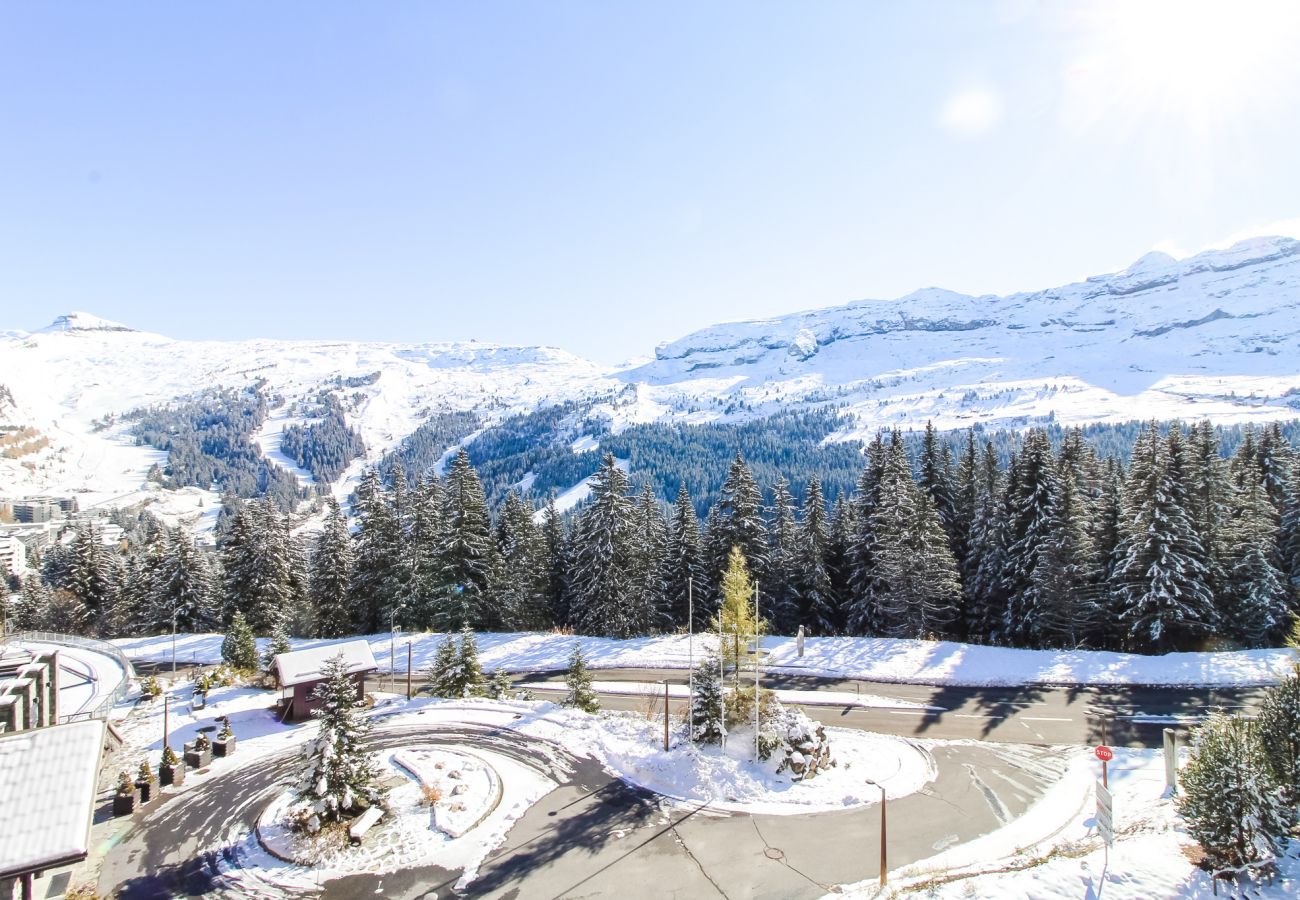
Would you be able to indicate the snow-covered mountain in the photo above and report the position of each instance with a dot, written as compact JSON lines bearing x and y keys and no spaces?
{"x":1213,"y":335}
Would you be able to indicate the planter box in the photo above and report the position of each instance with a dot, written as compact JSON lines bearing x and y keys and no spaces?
{"x":145,"y":789}
{"x":197,"y":759}
{"x":224,"y":748}
{"x":123,"y":804}
{"x":171,"y":777}
{"x":198,"y":700}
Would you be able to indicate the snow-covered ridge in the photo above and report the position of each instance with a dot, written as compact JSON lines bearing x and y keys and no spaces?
{"x":80,"y":321}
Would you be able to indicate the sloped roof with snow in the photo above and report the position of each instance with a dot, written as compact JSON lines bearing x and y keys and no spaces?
{"x":298,"y":666}
{"x":47,"y":795}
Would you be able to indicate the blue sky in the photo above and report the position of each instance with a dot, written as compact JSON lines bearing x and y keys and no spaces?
{"x":606,"y":176}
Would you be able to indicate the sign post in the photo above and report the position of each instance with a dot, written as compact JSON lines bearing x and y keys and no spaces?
{"x":1171,"y":761}
{"x":1105,"y":754}
{"x":1105,"y":818}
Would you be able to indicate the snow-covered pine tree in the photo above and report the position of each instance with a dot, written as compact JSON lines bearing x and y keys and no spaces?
{"x":182,"y":583}
{"x":87,"y":576}
{"x":1231,"y":802}
{"x":1278,"y":727}
{"x":986,"y":603}
{"x":340,"y":772}
{"x":735,"y":623}
{"x":934,"y":476}
{"x":442,"y":675}
{"x":499,"y":686}
{"x":1276,"y":462}
{"x":814,"y":593}
{"x":469,"y":669}
{"x":32,"y":611}
{"x":1033,"y":523}
{"x":331,"y":576}
{"x":378,"y":557}
{"x":707,"y":725}
{"x":648,"y":544}
{"x":858,"y":598}
{"x":259,"y":572}
{"x":1288,"y":539}
{"x":882,"y":608}
{"x":555,"y":544}
{"x":739,"y":520}
{"x":1209,"y":501}
{"x":578,"y":682}
{"x":933,"y":585}
{"x":427,"y":515}
{"x":239,"y":648}
{"x":1159,"y":582}
{"x":684,"y":568}
{"x":467,"y":552}
{"x":1071,"y":602}
{"x":1257,"y":609}
{"x":519,"y":582}
{"x":600,"y":590}
{"x":278,"y":644}
{"x":782,"y":554}
{"x":839,"y":565}
{"x":966,"y":501}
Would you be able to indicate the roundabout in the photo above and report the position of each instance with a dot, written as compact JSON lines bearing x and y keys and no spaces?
{"x":565,"y":824}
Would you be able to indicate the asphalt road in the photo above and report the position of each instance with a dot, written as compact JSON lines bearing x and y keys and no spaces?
{"x":595,"y":836}
{"x":1042,"y":715}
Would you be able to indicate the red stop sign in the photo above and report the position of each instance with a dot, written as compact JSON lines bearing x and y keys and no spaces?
{"x":1104,"y":753}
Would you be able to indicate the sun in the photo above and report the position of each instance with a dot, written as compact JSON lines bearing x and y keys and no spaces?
{"x":1198,"y":59}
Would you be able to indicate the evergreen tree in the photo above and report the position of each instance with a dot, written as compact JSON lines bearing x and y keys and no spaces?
{"x":331,"y":577}
{"x":278,"y":644}
{"x":1256,"y":591}
{"x":839,"y":565}
{"x":442,"y":675}
{"x":1033,"y":522}
{"x":986,"y":560}
{"x":555,"y":542}
{"x":340,"y":771}
{"x":239,"y":648}
{"x":934,"y":476}
{"x":1231,"y":801}
{"x":578,"y":681}
{"x":814,"y":591}
{"x":860,"y":592}
{"x":707,"y":726}
{"x":601,"y":595}
{"x":684,"y":568}
{"x":647,"y":553}
{"x":1278,"y":727}
{"x":428,"y":528}
{"x":378,"y":587}
{"x":740,"y":520}
{"x":520,"y":582}
{"x":783,"y":552}
{"x":470,"y":670}
{"x":1159,"y":579}
{"x":181,"y":583}
{"x":259,"y":572}
{"x":87,"y":575}
{"x":466,"y":553}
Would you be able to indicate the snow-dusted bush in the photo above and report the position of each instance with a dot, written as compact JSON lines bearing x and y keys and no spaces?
{"x":799,"y":742}
{"x":1231,"y":800}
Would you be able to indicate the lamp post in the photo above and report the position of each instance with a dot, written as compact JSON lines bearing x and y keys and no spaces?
{"x":758,"y":650}
{"x":174,"y":610}
{"x":690,"y":649}
{"x":392,"y":648}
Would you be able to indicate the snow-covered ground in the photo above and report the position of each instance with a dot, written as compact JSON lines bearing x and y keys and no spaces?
{"x":1054,"y":850}
{"x":866,"y":659}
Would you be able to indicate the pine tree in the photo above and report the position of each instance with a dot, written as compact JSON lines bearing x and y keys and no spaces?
{"x":839,"y":564}
{"x":239,"y":648}
{"x":378,"y":587}
{"x":881,"y":598}
{"x":648,"y":544}
{"x":278,"y":644}
{"x":860,"y":591}
{"x":442,"y":674}
{"x":986,"y":561}
{"x":815,"y":593}
{"x":601,"y":596}
{"x":428,"y":531}
{"x":259,"y":572}
{"x":520,"y":582}
{"x":87,"y":575}
{"x":331,"y":576}
{"x":1256,"y":592}
{"x":1278,"y":727}
{"x":340,"y":771}
{"x":499,"y":687}
{"x":740,"y":520}
{"x":707,"y":726}
{"x":181,"y":583}
{"x":466,"y":553}
{"x":578,"y":682}
{"x":783,"y":551}
{"x":934,"y":476}
{"x":467,"y":662}
{"x":684,"y":569}
{"x":556,"y":544}
{"x":1230,"y":801}
{"x":1159,"y":579}
{"x":1033,"y":522}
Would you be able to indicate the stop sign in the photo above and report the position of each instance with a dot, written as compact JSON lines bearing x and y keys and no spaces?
{"x":1104,"y":753}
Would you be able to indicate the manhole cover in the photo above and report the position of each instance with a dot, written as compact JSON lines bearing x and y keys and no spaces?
{"x":774,"y":853}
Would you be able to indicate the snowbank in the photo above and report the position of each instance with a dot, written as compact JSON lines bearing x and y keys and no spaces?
{"x":867,"y":659}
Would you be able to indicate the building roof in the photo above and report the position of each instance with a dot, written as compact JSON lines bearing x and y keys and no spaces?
{"x":299,"y":666}
{"x":47,"y":782}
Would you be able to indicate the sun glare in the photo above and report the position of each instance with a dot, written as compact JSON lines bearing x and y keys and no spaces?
{"x":1200,"y":59}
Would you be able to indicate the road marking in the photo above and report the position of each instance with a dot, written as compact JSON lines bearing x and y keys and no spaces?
{"x":909,"y":712}
{"x":1044,"y":719}
{"x":976,"y":716}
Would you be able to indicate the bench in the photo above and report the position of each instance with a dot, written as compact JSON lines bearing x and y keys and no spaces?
{"x":364,"y":823}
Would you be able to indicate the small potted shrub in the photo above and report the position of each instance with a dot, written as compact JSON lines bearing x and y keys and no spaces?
{"x":170,"y":771}
{"x":150,"y":689}
{"x":124,"y":799}
{"x":199,"y":754}
{"x":144,"y":781}
{"x":224,"y":745}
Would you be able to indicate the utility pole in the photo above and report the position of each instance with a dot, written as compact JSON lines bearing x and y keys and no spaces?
{"x":758,"y":650}
{"x":173,"y":646}
{"x":392,"y":648}
{"x":408,"y":670}
{"x":722,"y":686}
{"x":690,"y":648}
{"x":884,"y":857}
{"x":166,"y":702}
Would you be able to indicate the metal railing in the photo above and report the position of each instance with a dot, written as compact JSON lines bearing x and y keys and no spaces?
{"x":104,"y":648}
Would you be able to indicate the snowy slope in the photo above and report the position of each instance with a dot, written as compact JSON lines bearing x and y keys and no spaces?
{"x":1215,"y":335}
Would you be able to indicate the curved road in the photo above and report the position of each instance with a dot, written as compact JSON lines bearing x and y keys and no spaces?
{"x":597,"y":836}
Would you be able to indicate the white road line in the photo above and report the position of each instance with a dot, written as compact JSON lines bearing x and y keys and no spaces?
{"x":1044,"y":719}
{"x":976,"y":716}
